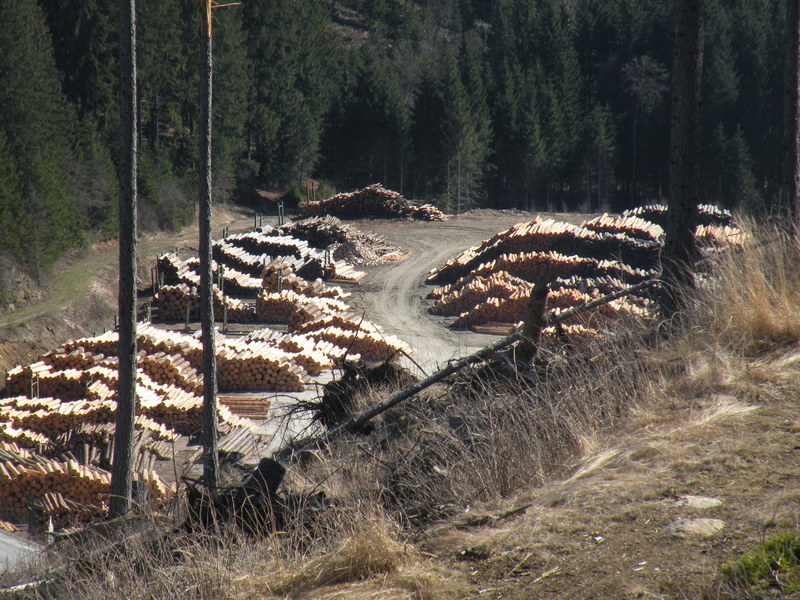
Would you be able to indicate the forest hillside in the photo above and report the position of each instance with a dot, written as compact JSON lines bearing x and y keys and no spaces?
{"x":528,"y":104}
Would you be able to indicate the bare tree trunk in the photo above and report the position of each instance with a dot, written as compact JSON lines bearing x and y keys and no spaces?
{"x":210,"y":426}
{"x":790,"y":174}
{"x":679,"y":253}
{"x":532,"y":325}
{"x":122,"y":468}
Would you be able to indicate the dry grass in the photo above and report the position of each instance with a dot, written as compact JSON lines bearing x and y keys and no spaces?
{"x":484,"y":439}
{"x":755,"y":293}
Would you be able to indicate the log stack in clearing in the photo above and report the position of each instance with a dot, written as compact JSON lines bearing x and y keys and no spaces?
{"x":492,"y":282}
{"x":342,"y":241}
{"x":373,"y":201}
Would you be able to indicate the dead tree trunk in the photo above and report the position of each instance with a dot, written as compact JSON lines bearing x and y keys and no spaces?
{"x":210,"y":426}
{"x":678,"y":256}
{"x":790,"y":173}
{"x":532,"y":325}
{"x":122,"y":468}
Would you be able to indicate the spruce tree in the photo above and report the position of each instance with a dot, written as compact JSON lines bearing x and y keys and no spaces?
{"x":36,"y":123}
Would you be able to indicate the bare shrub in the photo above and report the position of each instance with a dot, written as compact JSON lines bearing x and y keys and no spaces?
{"x":486,"y":436}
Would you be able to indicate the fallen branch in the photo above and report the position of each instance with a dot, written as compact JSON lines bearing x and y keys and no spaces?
{"x":292,"y":454}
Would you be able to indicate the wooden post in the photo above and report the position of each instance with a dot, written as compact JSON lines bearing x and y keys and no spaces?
{"x":210,"y":425}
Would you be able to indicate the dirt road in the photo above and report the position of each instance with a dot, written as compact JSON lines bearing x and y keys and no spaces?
{"x":394,"y":295}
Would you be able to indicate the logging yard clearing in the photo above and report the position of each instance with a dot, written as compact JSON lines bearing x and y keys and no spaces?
{"x":649,"y":502}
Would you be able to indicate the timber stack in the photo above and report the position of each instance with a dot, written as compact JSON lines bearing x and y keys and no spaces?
{"x":374,"y":202}
{"x":342,"y":241}
{"x":491,"y":282}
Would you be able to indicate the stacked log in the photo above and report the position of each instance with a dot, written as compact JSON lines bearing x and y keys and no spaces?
{"x":171,"y":369}
{"x":631,"y":225}
{"x":342,"y":241}
{"x":313,"y":355}
{"x":259,"y":243}
{"x":64,"y":488}
{"x":475,"y":291}
{"x":42,"y":380}
{"x":176,"y":271}
{"x":721,"y":237}
{"x":369,"y":346}
{"x":373,"y":201}
{"x":707,"y":214}
{"x":293,"y":309}
{"x":25,"y":438}
{"x":257,"y":366}
{"x":342,"y":320}
{"x":152,"y":339}
{"x":172,"y":302}
{"x":539,"y":235}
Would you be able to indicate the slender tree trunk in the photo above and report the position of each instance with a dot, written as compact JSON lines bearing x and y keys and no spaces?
{"x":679,"y":252}
{"x":790,"y":175}
{"x":122,"y":469}
{"x":210,"y":454}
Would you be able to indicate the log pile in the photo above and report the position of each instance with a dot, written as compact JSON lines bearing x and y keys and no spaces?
{"x":257,"y":366}
{"x":490,"y":282}
{"x":176,"y":271}
{"x":707,"y":214}
{"x":369,"y":346}
{"x":342,"y":241}
{"x":293,"y":309}
{"x":171,"y":369}
{"x":279,"y":274}
{"x":720,"y":237}
{"x":375,"y":202}
{"x":64,"y":489}
{"x":173,"y":301}
{"x":453,"y":300}
{"x":631,"y":226}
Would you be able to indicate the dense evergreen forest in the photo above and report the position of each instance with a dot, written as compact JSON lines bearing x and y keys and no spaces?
{"x":533,"y":104}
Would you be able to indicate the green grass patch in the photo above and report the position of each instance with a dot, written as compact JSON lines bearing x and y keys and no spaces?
{"x":773,"y":566}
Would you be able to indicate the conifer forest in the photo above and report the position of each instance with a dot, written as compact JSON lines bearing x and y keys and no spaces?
{"x":527,"y":104}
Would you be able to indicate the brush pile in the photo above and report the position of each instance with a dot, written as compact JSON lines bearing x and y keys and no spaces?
{"x":492,"y":282}
{"x":373,"y":202}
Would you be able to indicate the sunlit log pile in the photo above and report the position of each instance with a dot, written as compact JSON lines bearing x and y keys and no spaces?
{"x":720,"y":237}
{"x":245,"y":365}
{"x":293,"y":309}
{"x":369,"y":346}
{"x":278,"y":274}
{"x":454,"y":299}
{"x":65,"y":490}
{"x":631,"y":226}
{"x":342,"y":241}
{"x":548,"y":235}
{"x":309,"y":265}
{"x":491,"y":282}
{"x":707,"y":214}
{"x":374,"y":202}
{"x":512,"y":309}
{"x":173,"y":301}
